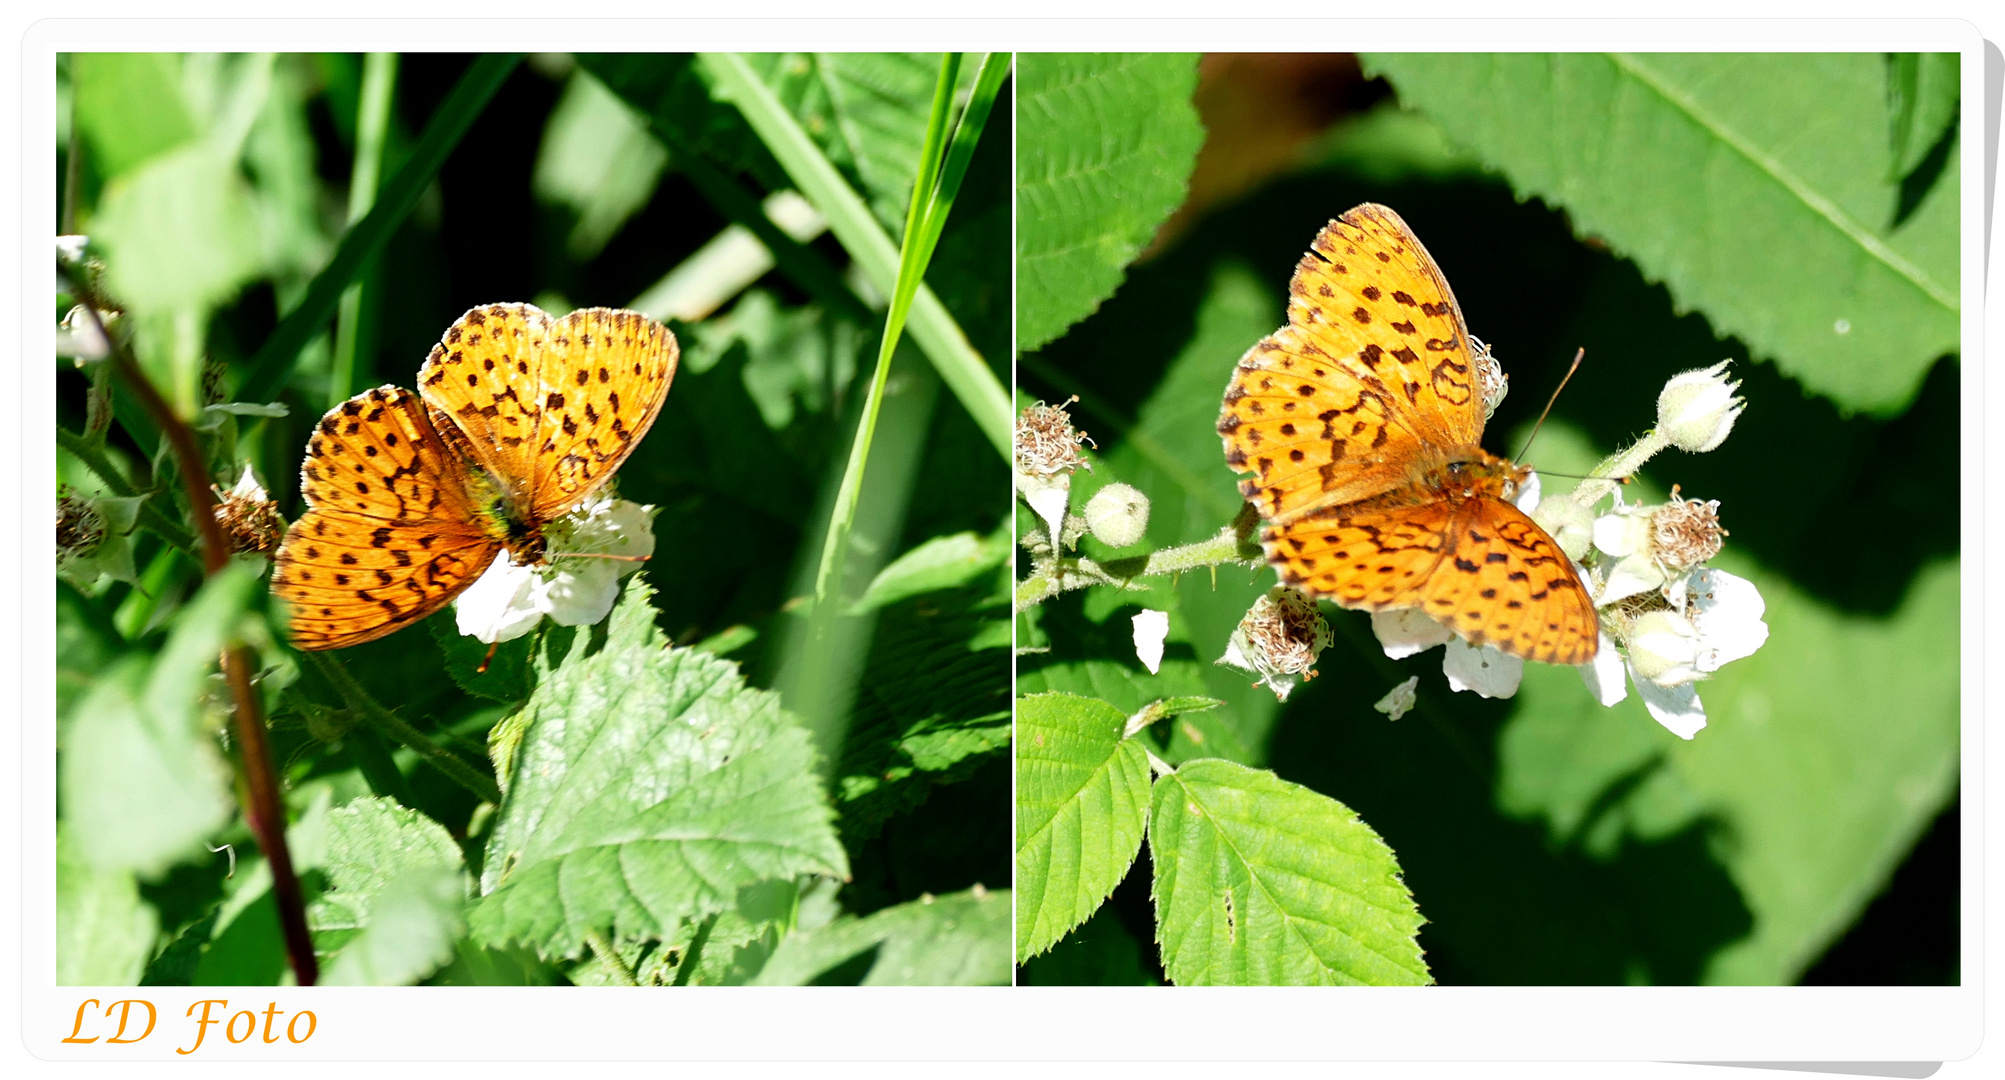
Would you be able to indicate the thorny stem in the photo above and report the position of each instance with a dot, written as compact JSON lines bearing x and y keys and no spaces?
{"x":1608,"y":475}
{"x":392,"y":726}
{"x":1054,"y":574}
{"x":263,"y":808}
{"x":602,"y":947}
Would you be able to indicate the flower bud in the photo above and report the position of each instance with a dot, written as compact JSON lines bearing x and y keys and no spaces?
{"x":1490,"y":377}
{"x":1279,"y":640}
{"x":1697,"y":408}
{"x":1664,"y":648}
{"x":1117,"y":515}
{"x":1570,"y":524}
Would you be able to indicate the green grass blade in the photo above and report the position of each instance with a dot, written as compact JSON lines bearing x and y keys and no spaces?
{"x":919,"y":210}
{"x":961,"y":368}
{"x":442,"y":133}
{"x":372,"y":126}
{"x":926,"y":218}
{"x":988,"y":84}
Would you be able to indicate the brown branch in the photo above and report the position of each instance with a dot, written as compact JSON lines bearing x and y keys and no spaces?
{"x":263,"y":808}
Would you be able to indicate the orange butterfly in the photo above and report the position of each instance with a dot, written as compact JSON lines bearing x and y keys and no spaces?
{"x":1361,"y":422}
{"x":410,"y":497}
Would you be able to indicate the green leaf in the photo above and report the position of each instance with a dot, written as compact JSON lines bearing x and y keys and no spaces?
{"x":129,"y":107}
{"x":370,"y":843}
{"x":650,"y":784}
{"x":178,"y":232}
{"x":104,"y":932}
{"x":1260,"y":882}
{"x":1758,"y":187}
{"x":142,"y":783}
{"x":933,"y":704}
{"x":943,"y":562}
{"x":961,"y":939}
{"x":1923,"y":92}
{"x":509,"y":676}
{"x":878,"y":102}
{"x":413,"y":919}
{"x":932,"y":328}
{"x":598,"y":160}
{"x":1082,"y":799}
{"x":1105,"y":147}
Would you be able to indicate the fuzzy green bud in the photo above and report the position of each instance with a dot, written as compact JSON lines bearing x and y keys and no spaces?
{"x":1697,"y":409}
{"x":1117,"y":515}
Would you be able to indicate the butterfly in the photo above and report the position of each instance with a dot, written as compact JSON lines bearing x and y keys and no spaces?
{"x":1361,"y":422}
{"x":410,"y":496}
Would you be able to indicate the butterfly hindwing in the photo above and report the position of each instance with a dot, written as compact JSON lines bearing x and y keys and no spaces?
{"x":352,"y":579}
{"x":390,"y":533}
{"x":1480,"y":567}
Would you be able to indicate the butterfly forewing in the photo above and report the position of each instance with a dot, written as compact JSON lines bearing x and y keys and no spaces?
{"x":1370,"y":376}
{"x":551,"y":407}
{"x":390,"y":534}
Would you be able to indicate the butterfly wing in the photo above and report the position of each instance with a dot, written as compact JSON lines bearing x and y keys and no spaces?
{"x":549,"y":407}
{"x":1478,"y":566}
{"x":1370,"y":382}
{"x":390,"y":534}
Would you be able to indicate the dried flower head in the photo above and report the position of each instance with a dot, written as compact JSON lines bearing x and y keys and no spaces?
{"x":1686,"y":532}
{"x":1279,"y":639}
{"x":79,"y":527}
{"x":1045,"y":441}
{"x":250,"y":520}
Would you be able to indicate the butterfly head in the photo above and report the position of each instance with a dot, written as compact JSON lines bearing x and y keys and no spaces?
{"x":502,"y":519}
{"x":1480,"y":473}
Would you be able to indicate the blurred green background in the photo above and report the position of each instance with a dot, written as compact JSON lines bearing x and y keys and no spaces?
{"x":1796,"y":214}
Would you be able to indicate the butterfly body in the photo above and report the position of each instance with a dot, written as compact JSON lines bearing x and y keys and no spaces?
{"x":1361,"y":423}
{"x":411,"y":496}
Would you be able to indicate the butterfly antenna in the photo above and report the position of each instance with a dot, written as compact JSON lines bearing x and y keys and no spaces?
{"x":596,"y":555}
{"x":1578,"y":355}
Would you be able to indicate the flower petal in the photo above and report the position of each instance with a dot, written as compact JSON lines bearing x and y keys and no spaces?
{"x":1727,"y":610}
{"x":1528,"y":493}
{"x":1399,"y":700}
{"x":1405,"y":631}
{"x":1676,"y":707}
{"x":1631,"y":576}
{"x":502,"y":605}
{"x":1151,"y":627}
{"x":1048,"y":495}
{"x":1621,"y":534}
{"x":1487,"y":671}
{"x":582,"y":593}
{"x":1606,"y":677}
